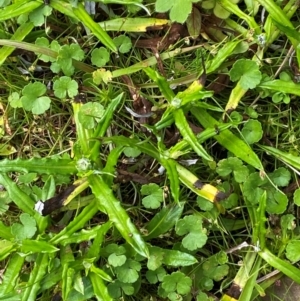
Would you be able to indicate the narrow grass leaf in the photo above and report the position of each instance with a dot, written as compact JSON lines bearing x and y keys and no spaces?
{"x":19,"y":35}
{"x":77,"y":223}
{"x":36,"y":246}
{"x":208,"y":191}
{"x":285,"y":267}
{"x":109,"y":204}
{"x":231,"y":142}
{"x":162,"y":83}
{"x":95,"y":28}
{"x":224,"y":52}
{"x":19,"y":8}
{"x":288,"y":87}
{"x":277,"y":14}
{"x":172,"y":258}
{"x":164,"y":220}
{"x":37,"y":274}
{"x":188,"y":135}
{"x":132,"y":24}
{"x":47,"y":166}
{"x":83,"y":135}
{"x":99,"y":287}
{"x":170,"y":166}
{"x":12,"y":273}
{"x":144,"y":147}
{"x":83,"y":235}
{"x":290,"y":159}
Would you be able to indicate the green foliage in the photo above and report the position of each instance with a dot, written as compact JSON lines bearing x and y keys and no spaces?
{"x":123,"y":43}
{"x":65,"y":86}
{"x":154,"y":196}
{"x":177,"y":282}
{"x":247,"y":72}
{"x":37,"y":17}
{"x":64,"y":59}
{"x":100,"y":56}
{"x":196,"y":235}
{"x":292,"y":250}
{"x":156,"y":275}
{"x":33,"y":99}
{"x":233,"y":166}
{"x":252,"y":131}
{"x":25,"y":230}
{"x":90,"y":113}
{"x":131,"y":152}
{"x":179,"y":9}
{"x":276,"y":200}
{"x":115,"y":237}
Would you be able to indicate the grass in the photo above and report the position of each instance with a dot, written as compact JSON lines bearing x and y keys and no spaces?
{"x":139,"y":163}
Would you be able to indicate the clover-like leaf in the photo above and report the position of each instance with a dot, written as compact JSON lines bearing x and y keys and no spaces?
{"x":156,"y":276}
{"x":65,"y":86}
{"x":102,"y":75}
{"x":15,"y":100}
{"x":177,"y":282}
{"x":115,"y":289}
{"x":188,"y":224}
{"x":192,"y":226}
{"x":194,"y":240}
{"x":123,"y":43}
{"x":279,"y":97}
{"x":154,"y":196}
{"x":277,"y":201}
{"x":90,"y":113}
{"x":37,"y":17}
{"x":281,"y":177}
{"x":252,"y":131}
{"x":247,"y":71}
{"x":179,"y":10}
{"x":100,"y":57}
{"x":116,"y":260}
{"x":293,"y":250}
{"x":128,"y":272}
{"x":233,"y":165}
{"x":297,"y":197}
{"x":215,"y":267}
{"x":25,"y":230}
{"x":32,"y":99}
{"x":64,"y":59}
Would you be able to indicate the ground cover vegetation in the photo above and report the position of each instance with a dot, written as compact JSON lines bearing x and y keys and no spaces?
{"x":149,"y":149}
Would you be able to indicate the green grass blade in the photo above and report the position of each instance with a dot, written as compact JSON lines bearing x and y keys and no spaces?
{"x":36,"y":275}
{"x":162,"y":83}
{"x":132,"y":24}
{"x":100,"y":289}
{"x":278,"y":15}
{"x":77,"y":223}
{"x":83,"y":135}
{"x":188,"y":135}
{"x":110,"y":205}
{"x":287,"y":158}
{"x":164,"y":220}
{"x":281,"y":265}
{"x":233,"y":8}
{"x":170,"y":166}
{"x":18,"y":8}
{"x":64,"y":8}
{"x":23,"y":201}
{"x":288,"y":87}
{"x":12,"y":273}
{"x":94,"y":27}
{"x":231,"y":142}
{"x":49,"y":166}
{"x":19,"y":35}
